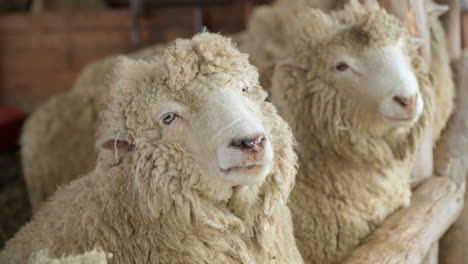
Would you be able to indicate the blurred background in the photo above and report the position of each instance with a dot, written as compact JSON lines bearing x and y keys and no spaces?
{"x":45,"y":43}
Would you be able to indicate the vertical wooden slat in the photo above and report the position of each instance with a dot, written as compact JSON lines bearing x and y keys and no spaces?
{"x":452,"y":26}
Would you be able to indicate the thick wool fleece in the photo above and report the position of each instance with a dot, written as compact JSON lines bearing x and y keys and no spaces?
{"x":57,"y":143}
{"x":351,"y":175}
{"x":154,"y":204}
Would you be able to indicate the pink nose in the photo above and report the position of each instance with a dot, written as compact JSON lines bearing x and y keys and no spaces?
{"x":254,"y":144}
{"x":408,"y":104}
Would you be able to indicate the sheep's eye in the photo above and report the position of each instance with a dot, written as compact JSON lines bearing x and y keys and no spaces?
{"x":246,"y":89}
{"x":341,"y":67}
{"x":168,"y":118}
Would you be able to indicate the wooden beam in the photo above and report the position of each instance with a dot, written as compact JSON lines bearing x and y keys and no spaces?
{"x":452,"y":25}
{"x":407,"y":236}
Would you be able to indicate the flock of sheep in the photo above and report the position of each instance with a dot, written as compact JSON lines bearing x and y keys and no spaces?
{"x":174,"y":155}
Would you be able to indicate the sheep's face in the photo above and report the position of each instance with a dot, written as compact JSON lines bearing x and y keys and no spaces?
{"x":221,"y":125}
{"x":364,"y":61}
{"x":382,"y":82}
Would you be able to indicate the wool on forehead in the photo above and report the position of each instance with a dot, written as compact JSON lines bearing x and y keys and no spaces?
{"x":201,"y":57}
{"x":184,"y":66}
{"x":364,"y":25}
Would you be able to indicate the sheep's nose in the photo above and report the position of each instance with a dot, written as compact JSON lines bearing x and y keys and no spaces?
{"x":407,"y":103}
{"x":254,"y":144}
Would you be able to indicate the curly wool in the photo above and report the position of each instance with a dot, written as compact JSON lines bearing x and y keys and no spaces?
{"x":351,"y":176}
{"x":154,"y":204}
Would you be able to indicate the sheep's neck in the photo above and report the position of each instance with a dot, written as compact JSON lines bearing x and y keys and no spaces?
{"x":355,"y":181}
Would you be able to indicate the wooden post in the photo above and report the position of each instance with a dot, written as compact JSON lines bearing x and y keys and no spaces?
{"x":454,"y":244}
{"x":452,"y":26}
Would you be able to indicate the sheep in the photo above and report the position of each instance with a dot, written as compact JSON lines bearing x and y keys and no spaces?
{"x":57,"y":140}
{"x":194,"y":166}
{"x":353,"y":91}
{"x":57,"y":143}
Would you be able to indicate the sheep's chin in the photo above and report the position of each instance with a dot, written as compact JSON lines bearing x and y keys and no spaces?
{"x":400,"y":121}
{"x":246,"y":175}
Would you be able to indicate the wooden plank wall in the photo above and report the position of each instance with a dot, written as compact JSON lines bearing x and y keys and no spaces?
{"x":42,"y":54}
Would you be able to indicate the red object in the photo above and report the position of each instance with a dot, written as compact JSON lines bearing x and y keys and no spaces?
{"x":11,"y":122}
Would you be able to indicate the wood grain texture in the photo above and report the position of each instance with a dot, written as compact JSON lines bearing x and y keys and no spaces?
{"x":41,"y":54}
{"x":407,"y":236}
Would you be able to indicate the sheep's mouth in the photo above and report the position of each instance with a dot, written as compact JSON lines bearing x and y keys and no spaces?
{"x":250,"y":167}
{"x":406,"y":119}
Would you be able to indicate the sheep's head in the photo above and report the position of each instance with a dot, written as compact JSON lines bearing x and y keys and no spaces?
{"x":201,"y":96}
{"x":363,"y":55}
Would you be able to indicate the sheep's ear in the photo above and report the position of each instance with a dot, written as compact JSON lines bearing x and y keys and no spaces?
{"x":116,"y":143}
{"x":436,"y":10}
{"x":290,"y":64}
{"x":416,"y":43}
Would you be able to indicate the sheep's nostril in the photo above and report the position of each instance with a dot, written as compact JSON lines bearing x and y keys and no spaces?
{"x":406,"y":103}
{"x":251,"y":143}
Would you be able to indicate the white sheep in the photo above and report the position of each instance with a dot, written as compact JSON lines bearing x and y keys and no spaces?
{"x":194,"y":167}
{"x":353,"y":92}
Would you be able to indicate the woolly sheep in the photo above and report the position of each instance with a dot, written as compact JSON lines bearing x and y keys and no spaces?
{"x":353,"y":92}
{"x":194,"y":166}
